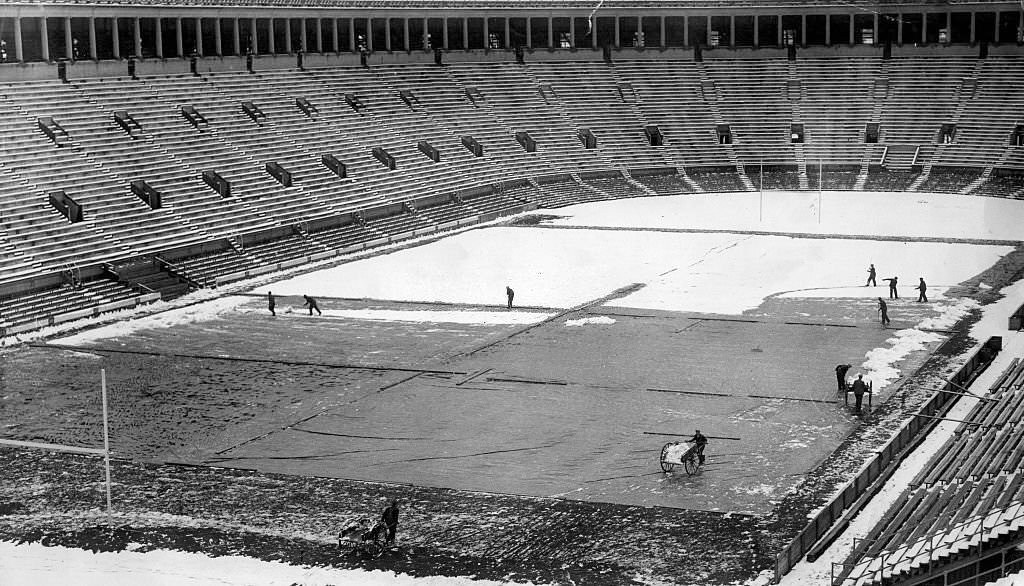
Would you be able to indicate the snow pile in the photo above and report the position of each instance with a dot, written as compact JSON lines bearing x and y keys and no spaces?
{"x":676,"y":451}
{"x":879,"y":361}
{"x":29,"y":564}
{"x":183,"y":315}
{"x":951,"y":313}
{"x":599,"y":320}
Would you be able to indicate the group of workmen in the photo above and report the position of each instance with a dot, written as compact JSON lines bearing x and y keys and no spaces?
{"x":310,"y":303}
{"x":883,"y":308}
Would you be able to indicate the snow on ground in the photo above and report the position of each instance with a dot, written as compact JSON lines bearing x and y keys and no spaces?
{"x":876,"y":214}
{"x":427,"y":316}
{"x":993,"y":323}
{"x":183,"y":315}
{"x":31,"y":564}
{"x":583,"y":321}
{"x":710,"y":273}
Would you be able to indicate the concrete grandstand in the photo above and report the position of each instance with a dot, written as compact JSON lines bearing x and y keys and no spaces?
{"x":155,"y":150}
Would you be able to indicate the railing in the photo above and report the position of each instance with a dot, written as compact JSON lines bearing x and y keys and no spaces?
{"x":884,"y":462}
{"x":177,"y":271}
{"x":963,"y":535}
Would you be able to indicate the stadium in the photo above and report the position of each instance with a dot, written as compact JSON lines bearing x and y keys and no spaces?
{"x":271,"y":265}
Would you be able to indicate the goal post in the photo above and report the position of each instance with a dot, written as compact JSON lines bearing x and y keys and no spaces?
{"x":105,"y":451}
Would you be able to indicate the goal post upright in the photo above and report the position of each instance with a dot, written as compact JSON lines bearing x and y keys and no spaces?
{"x":106,"y":435}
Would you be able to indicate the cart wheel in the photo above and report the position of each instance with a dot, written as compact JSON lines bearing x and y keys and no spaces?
{"x":665,"y":464}
{"x":375,"y":548}
{"x":690,"y":463}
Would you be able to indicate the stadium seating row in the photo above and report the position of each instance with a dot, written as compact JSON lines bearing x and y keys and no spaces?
{"x":414,"y":133}
{"x":977,"y":475}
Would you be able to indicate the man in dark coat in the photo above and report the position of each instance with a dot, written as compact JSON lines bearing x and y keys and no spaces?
{"x":510,"y":294}
{"x":271,"y":303}
{"x":311,"y":304}
{"x":883,"y":309}
{"x":922,"y":287}
{"x":859,"y":388}
{"x":892,"y":288}
{"x":871,"y":277}
{"x":701,"y":441}
{"x":841,"y":377}
{"x":390,"y":520}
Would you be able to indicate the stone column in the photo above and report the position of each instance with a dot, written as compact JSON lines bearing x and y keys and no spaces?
{"x":159,"y":38}
{"x":352,"y":35}
{"x":288,"y":35}
{"x":707,"y":31}
{"x":487,"y":34}
{"x":508,"y":36}
{"x":19,"y":48}
{"x":778,"y":31}
{"x":572,"y":31}
{"x":828,"y":30}
{"x":238,"y":45}
{"x":529,"y":33}
{"x":551,"y":32}
{"x":465,"y":33}
{"x":996,"y":32}
{"x":271,"y":46}
{"x":303,"y":37}
{"x":179,"y":38}
{"x":334,"y":35}
{"x":924,"y":28}
{"x":732,"y":31}
{"x":853,"y":37}
{"x":949,"y":28}
{"x":199,"y":37}
{"x":661,"y":24}
{"x":137,"y":34}
{"x":254,"y":37}
{"x":973,"y":27}
{"x":444,"y":33}
{"x":803,"y":30}
{"x":319,"y":35}
{"x":68,"y":44}
{"x":218,"y":44}
{"x":116,"y":38}
{"x":44,"y":38}
{"x":874,"y":30}
{"x":387,"y":33}
{"x":93,"y":53}
{"x":899,"y":29}
{"x":686,"y":31}
{"x":757,"y":31}
{"x":618,"y":41}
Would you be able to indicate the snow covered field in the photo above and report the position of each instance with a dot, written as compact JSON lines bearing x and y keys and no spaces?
{"x":35,"y":564}
{"x":861,"y":213}
{"x":561,"y":268}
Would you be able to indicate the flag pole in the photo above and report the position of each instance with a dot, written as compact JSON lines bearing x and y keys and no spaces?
{"x":106,"y":435}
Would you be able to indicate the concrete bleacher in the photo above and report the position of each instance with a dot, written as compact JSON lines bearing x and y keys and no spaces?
{"x":752,"y":97}
{"x":490,"y":102}
{"x":53,"y":305}
{"x":661,"y":87}
{"x":970,"y":492}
